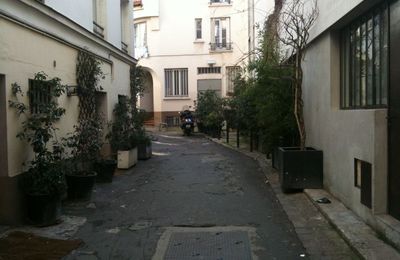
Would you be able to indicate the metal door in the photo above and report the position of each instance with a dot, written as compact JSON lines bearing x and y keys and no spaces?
{"x":394,"y":111}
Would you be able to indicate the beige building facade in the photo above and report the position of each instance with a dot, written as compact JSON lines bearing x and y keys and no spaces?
{"x":351,"y":102}
{"x":46,"y":36}
{"x":189,"y":46}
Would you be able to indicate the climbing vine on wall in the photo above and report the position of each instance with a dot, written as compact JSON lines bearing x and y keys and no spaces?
{"x":86,"y":139}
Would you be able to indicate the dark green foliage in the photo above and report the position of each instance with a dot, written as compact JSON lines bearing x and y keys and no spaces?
{"x":85,"y":142}
{"x":210,"y":113}
{"x":274,"y":101}
{"x":127,"y":129}
{"x":45,"y":176}
{"x":122,"y":135}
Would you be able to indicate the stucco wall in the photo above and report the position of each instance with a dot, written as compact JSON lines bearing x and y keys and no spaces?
{"x":82,"y":15}
{"x":342,"y":134}
{"x":19,"y":64}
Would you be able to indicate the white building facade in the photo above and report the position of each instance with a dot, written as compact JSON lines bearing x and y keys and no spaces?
{"x":47,"y":36}
{"x":190,"y":46}
{"x":351,"y":96}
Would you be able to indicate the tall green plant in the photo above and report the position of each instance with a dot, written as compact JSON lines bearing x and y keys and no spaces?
{"x":45,"y":176}
{"x":122,"y":135}
{"x":85,"y":141}
{"x":210,"y":112}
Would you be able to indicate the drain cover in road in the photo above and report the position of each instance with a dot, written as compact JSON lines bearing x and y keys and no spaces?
{"x":226,"y":245}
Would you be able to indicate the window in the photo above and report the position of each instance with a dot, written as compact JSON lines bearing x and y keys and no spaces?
{"x":220,"y":1}
{"x":198,"y":28}
{"x":137,"y":3}
{"x":209,"y":70}
{"x":220,"y":34}
{"x":231,"y":73}
{"x":39,"y":96}
{"x":363,"y":180}
{"x":176,"y":82}
{"x":97,"y":28}
{"x":364,"y":61}
{"x":140,"y":40}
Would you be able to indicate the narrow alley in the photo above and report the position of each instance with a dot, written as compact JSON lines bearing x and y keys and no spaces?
{"x":189,"y":183}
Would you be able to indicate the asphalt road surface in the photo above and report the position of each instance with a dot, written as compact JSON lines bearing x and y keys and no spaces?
{"x":189,"y":185}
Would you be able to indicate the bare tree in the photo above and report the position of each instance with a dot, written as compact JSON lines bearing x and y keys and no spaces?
{"x":271,"y":38}
{"x":296,"y":20}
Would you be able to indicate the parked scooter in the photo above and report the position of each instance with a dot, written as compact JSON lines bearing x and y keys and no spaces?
{"x":187,"y":122}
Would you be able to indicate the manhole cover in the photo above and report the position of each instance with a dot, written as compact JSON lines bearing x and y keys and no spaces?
{"x":226,"y":245}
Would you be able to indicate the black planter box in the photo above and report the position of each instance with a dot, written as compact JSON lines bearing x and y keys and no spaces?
{"x":300,"y":169}
{"x":105,"y":170}
{"x":43,"y":210}
{"x":80,"y":186}
{"x":144,"y":151}
{"x":275,"y":158}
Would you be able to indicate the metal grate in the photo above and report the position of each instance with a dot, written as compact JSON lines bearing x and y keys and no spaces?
{"x":232,"y":245}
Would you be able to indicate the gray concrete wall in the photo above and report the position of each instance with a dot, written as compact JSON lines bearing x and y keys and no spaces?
{"x":343,"y":134}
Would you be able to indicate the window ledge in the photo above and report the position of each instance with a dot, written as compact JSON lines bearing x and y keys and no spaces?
{"x":198,"y":41}
{"x":219,"y":4}
{"x":222,"y":50}
{"x":177,"y":98}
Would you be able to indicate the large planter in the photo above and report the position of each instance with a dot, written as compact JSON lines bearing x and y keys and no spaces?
{"x":300,"y":169}
{"x":105,"y":170}
{"x":80,"y":186}
{"x":43,"y":210}
{"x":144,"y":151}
{"x":127,"y":159}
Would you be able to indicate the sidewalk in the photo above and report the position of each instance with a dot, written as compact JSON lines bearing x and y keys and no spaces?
{"x":311,"y":221}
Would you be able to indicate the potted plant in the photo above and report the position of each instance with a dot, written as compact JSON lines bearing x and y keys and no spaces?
{"x":84,"y":145}
{"x":105,"y":168}
{"x":122,"y":136}
{"x":85,"y":142}
{"x":300,"y":167}
{"x":144,"y":145}
{"x":43,"y":184}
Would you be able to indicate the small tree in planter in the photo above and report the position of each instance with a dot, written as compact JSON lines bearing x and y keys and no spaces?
{"x":137,"y":115}
{"x":122,"y":135}
{"x":85,"y":142}
{"x":301,"y":166}
{"x":210,"y":113}
{"x":44,"y":183}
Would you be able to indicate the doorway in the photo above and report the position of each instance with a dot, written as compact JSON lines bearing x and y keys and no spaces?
{"x":3,"y":128}
{"x":394,"y":111}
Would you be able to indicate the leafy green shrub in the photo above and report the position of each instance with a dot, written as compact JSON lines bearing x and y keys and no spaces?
{"x":45,"y":175}
{"x":210,"y":113}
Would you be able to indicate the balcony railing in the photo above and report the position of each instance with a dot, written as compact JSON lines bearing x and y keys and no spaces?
{"x":220,"y":46}
{"x":137,"y":3}
{"x":98,"y":29}
{"x":124,"y":47}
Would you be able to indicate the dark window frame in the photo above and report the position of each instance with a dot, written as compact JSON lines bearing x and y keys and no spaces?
{"x":38,"y":96}
{"x":198,"y":28}
{"x":364,"y":79}
{"x":208,"y":70}
{"x":176,"y":82}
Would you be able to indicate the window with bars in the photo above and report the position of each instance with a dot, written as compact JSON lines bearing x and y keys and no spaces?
{"x":220,"y":34}
{"x":209,"y":70}
{"x":39,"y":96}
{"x":176,"y":82}
{"x":231,"y":73}
{"x":198,"y":24}
{"x":364,"y":61}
